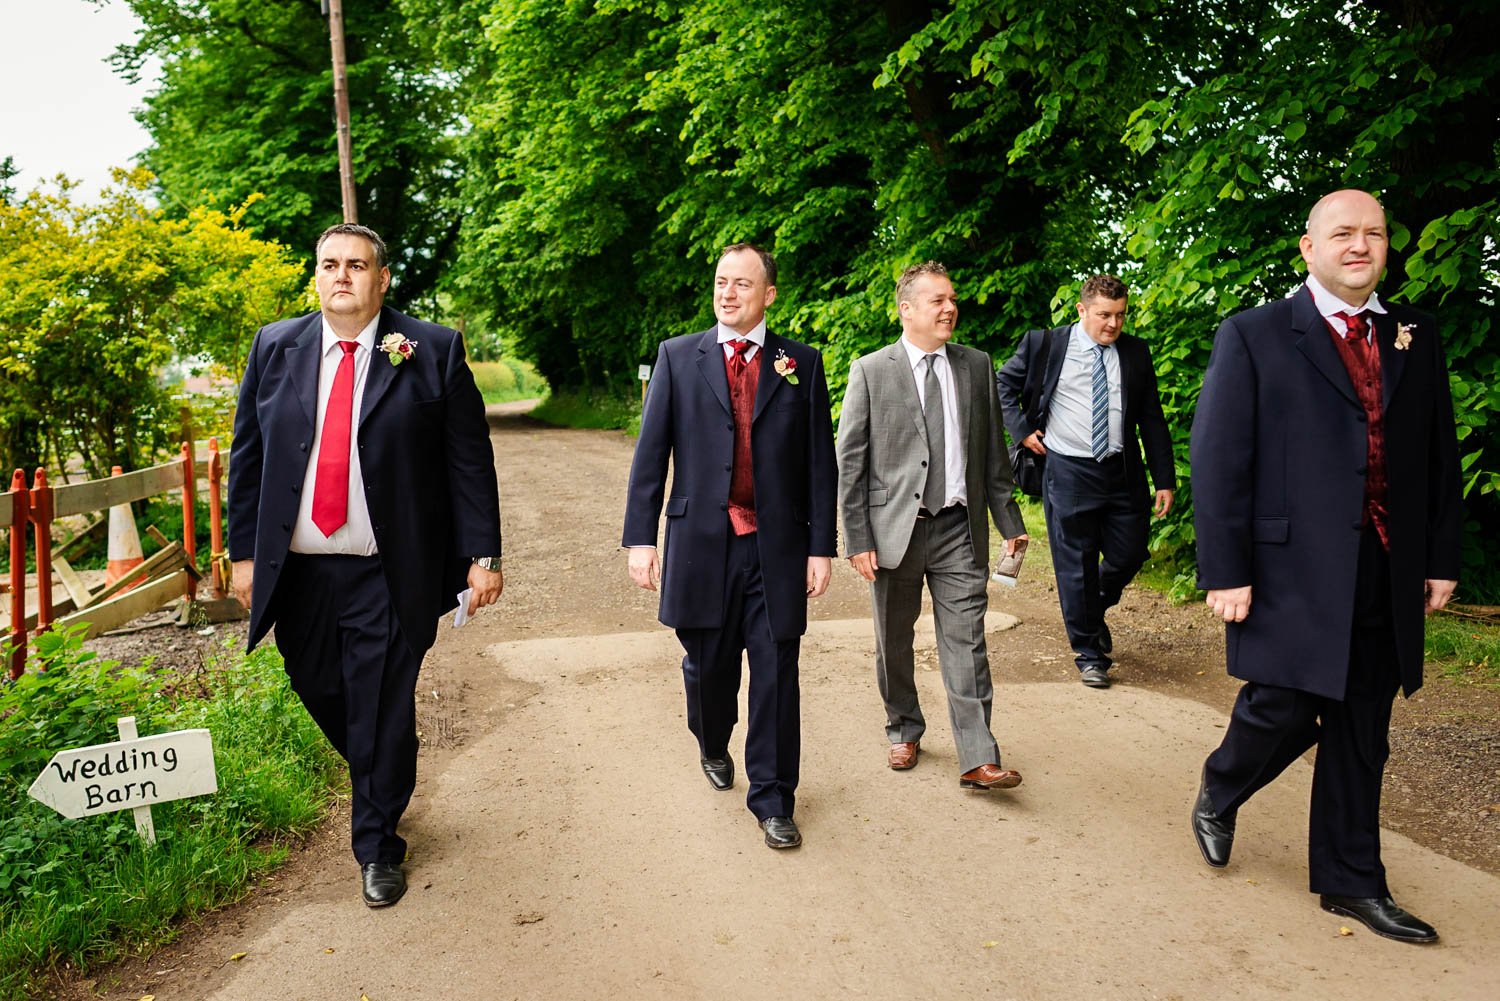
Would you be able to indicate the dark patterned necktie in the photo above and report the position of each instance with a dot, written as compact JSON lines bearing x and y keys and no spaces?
{"x":935,"y":491}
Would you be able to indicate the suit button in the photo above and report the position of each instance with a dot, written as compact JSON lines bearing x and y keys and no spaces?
{"x":728,"y":467}
{"x":302,"y":445}
{"x":274,"y":565}
{"x":724,"y":507}
{"x":285,"y":527}
{"x":924,"y":463}
{"x":296,"y":488}
{"x":730,"y":426}
{"x":917,"y":496}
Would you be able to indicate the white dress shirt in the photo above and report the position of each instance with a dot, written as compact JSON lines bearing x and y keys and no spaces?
{"x":953,"y":446}
{"x":1328,"y":304}
{"x":1070,"y":416}
{"x":756,"y":336}
{"x":355,"y":537}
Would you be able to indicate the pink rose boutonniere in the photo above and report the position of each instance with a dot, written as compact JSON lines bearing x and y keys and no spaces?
{"x":1403,"y":335}
{"x":397,"y":348}
{"x":786,"y":367}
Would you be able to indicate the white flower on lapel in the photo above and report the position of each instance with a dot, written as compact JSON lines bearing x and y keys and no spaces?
{"x":1403,"y":335}
{"x":786,"y":367}
{"x":397,"y":348}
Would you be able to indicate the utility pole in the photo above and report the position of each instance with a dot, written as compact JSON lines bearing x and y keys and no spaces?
{"x":334,"y":10}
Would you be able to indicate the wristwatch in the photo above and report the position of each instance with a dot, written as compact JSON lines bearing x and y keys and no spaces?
{"x":487,"y":562}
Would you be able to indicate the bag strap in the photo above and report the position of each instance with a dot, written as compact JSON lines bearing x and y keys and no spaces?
{"x":1036,"y":373}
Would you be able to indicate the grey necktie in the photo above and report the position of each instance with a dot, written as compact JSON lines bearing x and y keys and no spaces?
{"x":935,"y":492}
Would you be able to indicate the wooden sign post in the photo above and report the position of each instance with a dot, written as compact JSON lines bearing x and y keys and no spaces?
{"x":644,"y":374}
{"x":129,"y":774}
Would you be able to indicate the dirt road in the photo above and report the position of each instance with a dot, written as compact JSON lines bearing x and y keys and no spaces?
{"x":564,"y":843}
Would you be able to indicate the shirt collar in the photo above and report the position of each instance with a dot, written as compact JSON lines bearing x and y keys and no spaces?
{"x":756,"y":336}
{"x":1328,"y":303}
{"x":915,"y":354}
{"x":366,"y":336}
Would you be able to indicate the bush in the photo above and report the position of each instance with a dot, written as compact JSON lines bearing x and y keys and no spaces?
{"x":82,"y":891}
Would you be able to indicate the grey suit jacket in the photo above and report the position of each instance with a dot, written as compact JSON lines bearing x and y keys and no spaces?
{"x":883,"y":444}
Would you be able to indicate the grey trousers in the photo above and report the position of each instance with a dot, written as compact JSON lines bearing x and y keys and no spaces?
{"x":942,"y":554}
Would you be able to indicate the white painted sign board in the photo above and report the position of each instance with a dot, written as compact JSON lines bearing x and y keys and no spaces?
{"x":128,"y":774}
{"x":643,"y":373}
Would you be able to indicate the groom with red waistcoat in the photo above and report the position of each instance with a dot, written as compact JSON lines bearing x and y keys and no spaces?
{"x":744,"y":417}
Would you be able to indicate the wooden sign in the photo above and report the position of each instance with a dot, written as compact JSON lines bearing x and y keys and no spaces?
{"x":131,"y":773}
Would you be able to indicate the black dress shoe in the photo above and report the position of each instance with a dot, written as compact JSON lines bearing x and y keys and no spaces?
{"x":1214,"y":833}
{"x":1382,"y":916}
{"x":720,"y":771}
{"x":1094,"y":677}
{"x":781,"y":832}
{"x":384,"y":883}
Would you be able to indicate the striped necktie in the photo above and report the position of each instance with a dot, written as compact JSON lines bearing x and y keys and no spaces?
{"x":1101,"y":405}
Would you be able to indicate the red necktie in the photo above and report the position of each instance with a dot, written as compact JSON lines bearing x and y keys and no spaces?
{"x":1357,"y":335}
{"x":330,"y":506}
{"x":741,"y":349}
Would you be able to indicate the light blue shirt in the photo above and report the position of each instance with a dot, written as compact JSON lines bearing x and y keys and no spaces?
{"x":1070,"y":417}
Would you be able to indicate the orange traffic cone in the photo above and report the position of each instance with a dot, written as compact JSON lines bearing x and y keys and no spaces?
{"x":124,"y":541}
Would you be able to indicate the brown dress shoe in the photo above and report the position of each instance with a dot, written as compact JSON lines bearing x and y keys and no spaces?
{"x":903,"y":756}
{"x":989,"y":777}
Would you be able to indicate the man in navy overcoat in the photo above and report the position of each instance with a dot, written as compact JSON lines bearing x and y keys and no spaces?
{"x":743,"y":415}
{"x":1327,"y":507}
{"x":362,"y":500}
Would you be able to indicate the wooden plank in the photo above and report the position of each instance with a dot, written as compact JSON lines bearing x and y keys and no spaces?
{"x":82,"y":596}
{"x":92,"y":530}
{"x":100,"y":495}
{"x":107,"y":615}
{"x":170,"y":558}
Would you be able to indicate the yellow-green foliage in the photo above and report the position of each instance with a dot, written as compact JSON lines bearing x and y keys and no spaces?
{"x":509,"y":379}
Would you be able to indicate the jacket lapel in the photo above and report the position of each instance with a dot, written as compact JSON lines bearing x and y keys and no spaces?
{"x":382,"y":373}
{"x":1316,"y":344}
{"x":302,"y":361}
{"x":962,"y":386}
{"x":905,"y":379}
{"x":769,"y":381}
{"x":1392,"y":362}
{"x":711,"y":364}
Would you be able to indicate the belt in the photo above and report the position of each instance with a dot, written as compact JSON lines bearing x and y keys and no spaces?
{"x":923,"y":513}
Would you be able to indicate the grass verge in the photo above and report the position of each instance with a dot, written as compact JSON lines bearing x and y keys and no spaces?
{"x":508,"y":379}
{"x":600,"y":410}
{"x":81,"y":892}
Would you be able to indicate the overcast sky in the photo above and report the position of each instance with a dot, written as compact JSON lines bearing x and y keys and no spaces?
{"x":62,"y":109}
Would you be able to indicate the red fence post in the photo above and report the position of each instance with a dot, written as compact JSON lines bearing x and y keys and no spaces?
{"x":216,"y":520}
{"x":20,"y":502}
{"x":189,"y":511}
{"x":41,"y":519}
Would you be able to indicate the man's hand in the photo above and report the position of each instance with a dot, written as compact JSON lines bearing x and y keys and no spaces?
{"x":1232,"y":604}
{"x":819,"y":572}
{"x":644,"y":569}
{"x":1438,"y":593}
{"x":487,"y":585}
{"x":1010,"y":544}
{"x":1163,"y":503}
{"x":241,"y":573}
{"x":864,"y":565}
{"x":1033,"y":441}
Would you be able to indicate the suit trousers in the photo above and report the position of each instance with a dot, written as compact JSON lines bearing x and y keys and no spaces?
{"x":711,"y":672}
{"x":352,"y":668}
{"x":1272,"y":726}
{"x":942,"y":554}
{"x":1097,"y":528}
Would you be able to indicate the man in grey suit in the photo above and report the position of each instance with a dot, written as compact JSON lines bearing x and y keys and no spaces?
{"x":920,"y":461}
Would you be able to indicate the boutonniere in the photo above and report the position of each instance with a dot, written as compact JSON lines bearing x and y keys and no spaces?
{"x":786,"y":367}
{"x":1403,"y":335}
{"x":397,"y":348}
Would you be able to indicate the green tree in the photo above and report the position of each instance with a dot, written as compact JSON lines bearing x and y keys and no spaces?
{"x":246,"y":105}
{"x":99,"y":297}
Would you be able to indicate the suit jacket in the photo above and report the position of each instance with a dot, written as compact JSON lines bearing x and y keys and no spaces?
{"x":424,"y":453}
{"x":1278,"y":458}
{"x":883,"y":447}
{"x":1143,"y":421}
{"x":687,"y":417}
